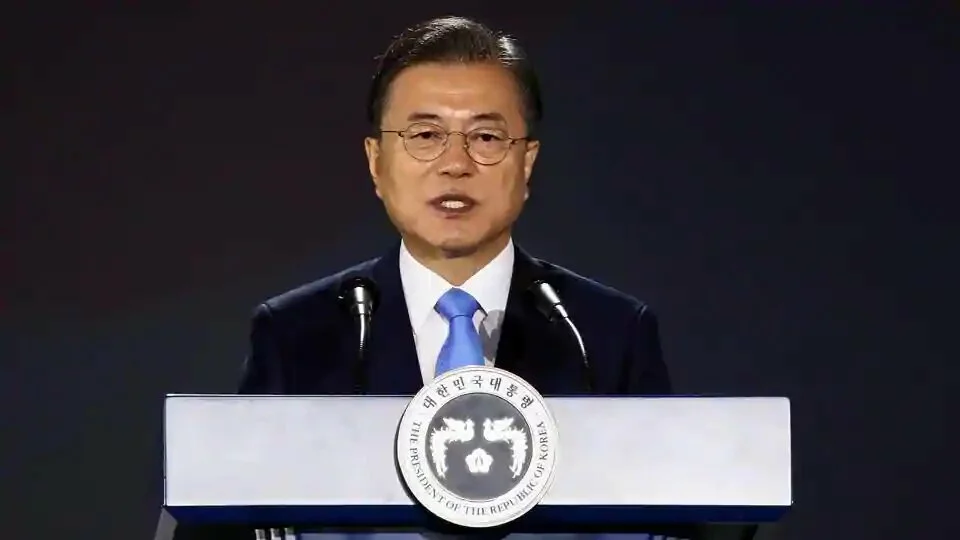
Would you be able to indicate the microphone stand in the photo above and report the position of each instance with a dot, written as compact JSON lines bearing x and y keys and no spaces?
{"x":360,"y":372}
{"x":359,"y":297}
{"x":550,"y":305}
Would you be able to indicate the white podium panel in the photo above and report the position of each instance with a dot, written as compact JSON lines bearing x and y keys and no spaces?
{"x":332,"y":458}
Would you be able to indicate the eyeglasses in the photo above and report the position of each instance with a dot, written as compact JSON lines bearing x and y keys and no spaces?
{"x":425,"y":142}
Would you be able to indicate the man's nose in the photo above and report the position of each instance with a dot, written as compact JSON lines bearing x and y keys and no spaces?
{"x":455,"y":158}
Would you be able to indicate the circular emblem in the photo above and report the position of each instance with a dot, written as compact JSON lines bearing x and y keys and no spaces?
{"x":477,"y":447}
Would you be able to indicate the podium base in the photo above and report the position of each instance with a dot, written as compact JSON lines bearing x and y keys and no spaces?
{"x":169,"y":529}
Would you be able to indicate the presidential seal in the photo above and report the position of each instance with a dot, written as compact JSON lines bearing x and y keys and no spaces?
{"x":477,"y":447}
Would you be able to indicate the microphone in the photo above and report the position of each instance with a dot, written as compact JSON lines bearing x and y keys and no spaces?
{"x":359,"y":297}
{"x":549,"y":304}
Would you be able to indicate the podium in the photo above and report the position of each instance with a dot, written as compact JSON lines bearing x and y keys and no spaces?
{"x":326,"y":466}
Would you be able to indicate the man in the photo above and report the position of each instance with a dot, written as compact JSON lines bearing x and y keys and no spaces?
{"x":454,"y":109}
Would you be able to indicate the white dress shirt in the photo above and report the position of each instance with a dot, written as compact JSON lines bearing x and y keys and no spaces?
{"x":422,"y":288}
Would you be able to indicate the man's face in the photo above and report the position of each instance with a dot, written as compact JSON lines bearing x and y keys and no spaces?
{"x":452,"y":205}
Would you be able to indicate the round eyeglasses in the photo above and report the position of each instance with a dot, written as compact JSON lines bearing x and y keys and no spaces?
{"x":425,"y":142}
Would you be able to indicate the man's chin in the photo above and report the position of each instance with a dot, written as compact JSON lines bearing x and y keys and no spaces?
{"x":453,"y":246}
{"x":457,"y":249}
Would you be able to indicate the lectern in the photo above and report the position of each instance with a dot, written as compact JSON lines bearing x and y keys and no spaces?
{"x":327,"y":466}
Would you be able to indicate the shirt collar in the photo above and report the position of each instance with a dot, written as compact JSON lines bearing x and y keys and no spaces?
{"x":422,"y":287}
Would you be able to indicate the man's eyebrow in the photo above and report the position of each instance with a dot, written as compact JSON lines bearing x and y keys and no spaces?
{"x":422,"y":116}
{"x":491,"y":116}
{"x":425,"y":117}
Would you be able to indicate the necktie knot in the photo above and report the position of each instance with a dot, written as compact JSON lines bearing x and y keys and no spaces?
{"x":457,"y":303}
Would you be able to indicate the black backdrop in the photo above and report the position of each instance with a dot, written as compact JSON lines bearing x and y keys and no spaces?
{"x":776,"y":181}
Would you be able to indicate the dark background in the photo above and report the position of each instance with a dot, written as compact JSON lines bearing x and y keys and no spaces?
{"x":778,"y":182}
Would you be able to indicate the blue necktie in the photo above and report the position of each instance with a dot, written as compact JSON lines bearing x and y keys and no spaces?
{"x":462,"y":347}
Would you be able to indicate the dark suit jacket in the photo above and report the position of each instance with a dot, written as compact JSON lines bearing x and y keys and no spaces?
{"x":304,"y":342}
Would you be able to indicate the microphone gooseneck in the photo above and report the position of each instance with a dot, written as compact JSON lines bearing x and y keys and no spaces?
{"x":549,"y":304}
{"x":359,"y":297}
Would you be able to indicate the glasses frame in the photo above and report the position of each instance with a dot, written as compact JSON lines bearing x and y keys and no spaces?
{"x":446,"y":142}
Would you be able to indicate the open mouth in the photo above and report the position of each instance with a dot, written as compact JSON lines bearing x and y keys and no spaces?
{"x":453,"y":204}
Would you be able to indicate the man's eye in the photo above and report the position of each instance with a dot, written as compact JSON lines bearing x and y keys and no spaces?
{"x":488,"y":136}
{"x":425,"y":135}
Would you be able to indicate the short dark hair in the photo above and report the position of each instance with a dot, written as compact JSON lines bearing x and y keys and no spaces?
{"x":455,"y":39}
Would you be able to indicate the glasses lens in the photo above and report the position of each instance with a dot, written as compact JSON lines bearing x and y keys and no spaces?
{"x":424,"y":141}
{"x":488,"y":146}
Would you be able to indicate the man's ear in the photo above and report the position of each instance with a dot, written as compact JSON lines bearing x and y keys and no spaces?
{"x":529,"y":158}
{"x":371,"y":146}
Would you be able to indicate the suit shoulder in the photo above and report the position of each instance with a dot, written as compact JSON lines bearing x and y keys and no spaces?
{"x":316,"y":293}
{"x":574,"y":287}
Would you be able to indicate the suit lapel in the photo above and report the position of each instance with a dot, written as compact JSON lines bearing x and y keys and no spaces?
{"x":530,"y":346}
{"x":392,"y":365}
{"x":522,"y":325}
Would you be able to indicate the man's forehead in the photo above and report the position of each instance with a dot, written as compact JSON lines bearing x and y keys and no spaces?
{"x":475,"y":92}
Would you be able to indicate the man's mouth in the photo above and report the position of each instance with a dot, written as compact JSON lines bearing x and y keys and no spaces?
{"x":453,"y":204}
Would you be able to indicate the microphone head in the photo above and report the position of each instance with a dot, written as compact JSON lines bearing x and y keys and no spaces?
{"x":547,"y":300}
{"x":359,"y":295}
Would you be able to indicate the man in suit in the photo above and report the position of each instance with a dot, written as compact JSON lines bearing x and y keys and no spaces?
{"x":454,"y":110}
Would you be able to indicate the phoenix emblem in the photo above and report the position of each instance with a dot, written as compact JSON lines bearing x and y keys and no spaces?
{"x":502,"y":430}
{"x":462,"y":431}
{"x":453,"y":431}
